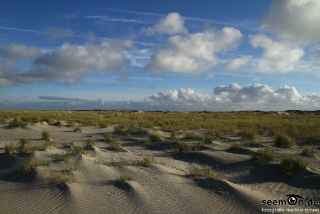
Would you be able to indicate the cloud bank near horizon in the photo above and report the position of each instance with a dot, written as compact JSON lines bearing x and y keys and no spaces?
{"x":223,"y":98}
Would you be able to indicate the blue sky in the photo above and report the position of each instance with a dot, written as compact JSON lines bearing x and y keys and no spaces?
{"x":160,"y":55}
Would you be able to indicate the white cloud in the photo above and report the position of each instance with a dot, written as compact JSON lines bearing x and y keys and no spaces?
{"x":19,"y":51}
{"x":172,"y":24}
{"x":256,"y":93}
{"x":194,"y":53}
{"x":235,"y":97}
{"x":237,"y":63}
{"x":69,"y":63}
{"x":181,"y":97}
{"x":277,"y":56}
{"x":295,"y":20}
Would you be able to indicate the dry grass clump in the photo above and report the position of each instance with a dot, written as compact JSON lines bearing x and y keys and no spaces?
{"x":248,"y":135}
{"x":71,"y":124}
{"x":25,"y":146}
{"x":58,"y":123}
{"x":196,"y":170}
{"x":129,"y":137}
{"x":89,"y":144}
{"x":45,"y":135}
{"x":153,"y":137}
{"x":32,"y":165}
{"x":107,"y":137}
{"x":115,"y":146}
{"x":191,"y":135}
{"x":141,"y":161}
{"x":263,"y":156}
{"x":215,"y":134}
{"x":61,"y":179}
{"x":309,"y":151}
{"x":77,"y":129}
{"x":124,"y":178}
{"x":16,"y":122}
{"x":282,"y":141}
{"x":188,"y":147}
{"x":10,"y":149}
{"x":119,"y":128}
{"x":290,"y":163}
{"x":236,"y":146}
{"x":173,"y":135}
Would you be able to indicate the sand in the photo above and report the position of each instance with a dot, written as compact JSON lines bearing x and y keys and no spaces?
{"x":162,"y":187}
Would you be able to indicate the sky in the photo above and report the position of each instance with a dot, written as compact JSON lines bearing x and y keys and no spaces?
{"x":160,"y":55}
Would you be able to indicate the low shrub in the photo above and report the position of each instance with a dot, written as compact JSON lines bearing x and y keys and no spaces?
{"x":124,"y":178}
{"x":153,"y":137}
{"x":248,"y":135}
{"x":235,"y":146}
{"x":45,"y":135}
{"x":58,"y":123}
{"x":25,"y":146}
{"x":78,"y":129}
{"x":173,"y":135}
{"x":32,"y":165}
{"x":16,"y":122}
{"x":290,"y":163}
{"x":196,"y":170}
{"x":188,"y":147}
{"x":262,"y":156}
{"x":191,"y":135}
{"x":61,"y":179}
{"x":119,"y":129}
{"x":309,"y":151}
{"x":89,"y":144}
{"x":283,"y":140}
{"x":107,"y":137}
{"x":115,"y":146}
{"x":10,"y":149}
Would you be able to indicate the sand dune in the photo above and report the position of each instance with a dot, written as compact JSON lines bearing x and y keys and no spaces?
{"x":163,"y":186}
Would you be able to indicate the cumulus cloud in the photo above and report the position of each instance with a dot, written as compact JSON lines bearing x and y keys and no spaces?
{"x":236,"y":97}
{"x":194,"y":53}
{"x":69,"y":63}
{"x":237,"y":63}
{"x":295,"y":20}
{"x":172,"y":24}
{"x":19,"y":51}
{"x":256,"y":93}
{"x":277,"y":56}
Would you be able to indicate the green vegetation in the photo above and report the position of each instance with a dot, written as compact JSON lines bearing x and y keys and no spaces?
{"x":298,"y":124}
{"x":32,"y":165}
{"x":107,"y":137}
{"x":16,"y":122}
{"x":283,"y":140}
{"x":248,"y":135}
{"x":124,"y":178}
{"x":77,"y":129}
{"x":89,"y":144}
{"x":153,"y":137}
{"x":309,"y":151}
{"x":115,"y":146}
{"x":188,"y":147}
{"x":263,"y":156}
{"x":45,"y":135}
{"x":290,"y":163}
{"x":196,"y":170}
{"x":141,"y":161}
{"x":61,"y":179}
{"x":10,"y":149}
{"x":25,"y":146}
{"x":236,"y":146}
{"x":191,"y":135}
